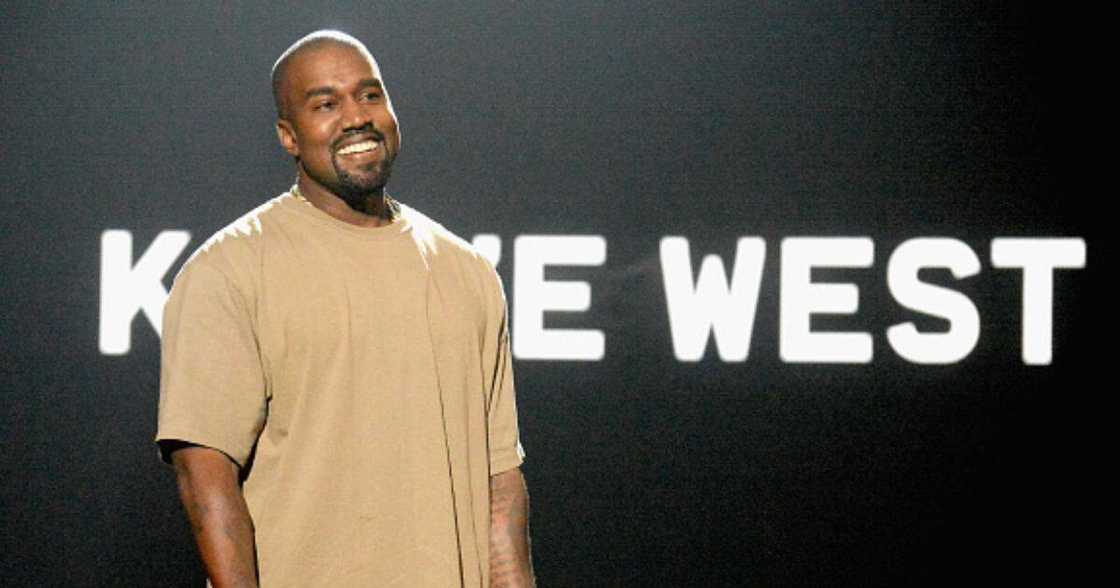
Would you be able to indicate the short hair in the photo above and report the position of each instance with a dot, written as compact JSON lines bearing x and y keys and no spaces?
{"x":308,"y":42}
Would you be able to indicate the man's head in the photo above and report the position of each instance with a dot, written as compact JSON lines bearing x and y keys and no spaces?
{"x":334,"y":115}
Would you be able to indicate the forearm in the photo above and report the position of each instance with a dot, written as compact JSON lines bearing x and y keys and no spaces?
{"x":510,"y":563}
{"x":218,"y":515}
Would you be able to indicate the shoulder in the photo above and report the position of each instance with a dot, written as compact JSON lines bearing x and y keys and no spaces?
{"x":438,"y":241}
{"x":450,"y":253}
{"x":234,"y":251}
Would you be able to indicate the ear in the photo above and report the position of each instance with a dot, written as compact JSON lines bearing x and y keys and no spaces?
{"x":396,"y":123}
{"x":287,"y":137}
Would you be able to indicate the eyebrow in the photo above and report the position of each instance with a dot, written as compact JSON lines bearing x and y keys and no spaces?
{"x":369,"y":82}
{"x":329,"y":90}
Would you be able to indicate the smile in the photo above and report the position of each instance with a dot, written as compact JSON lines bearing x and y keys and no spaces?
{"x":362,"y":147}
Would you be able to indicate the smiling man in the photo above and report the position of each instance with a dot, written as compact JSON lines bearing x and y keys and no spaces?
{"x":336,"y":387}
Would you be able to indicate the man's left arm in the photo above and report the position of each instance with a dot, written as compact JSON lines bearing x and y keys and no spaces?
{"x":510,"y":563}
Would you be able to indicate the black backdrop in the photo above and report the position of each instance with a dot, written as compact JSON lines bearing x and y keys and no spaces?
{"x":633,"y":121}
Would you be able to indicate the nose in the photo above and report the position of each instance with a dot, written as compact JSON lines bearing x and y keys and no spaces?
{"x":354,"y":117}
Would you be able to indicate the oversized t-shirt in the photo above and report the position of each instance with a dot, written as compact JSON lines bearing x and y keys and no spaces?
{"x":361,"y":378}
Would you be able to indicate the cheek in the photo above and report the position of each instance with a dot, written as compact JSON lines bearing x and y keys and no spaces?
{"x":317,"y":144}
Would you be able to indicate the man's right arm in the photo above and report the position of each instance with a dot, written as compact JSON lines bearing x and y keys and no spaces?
{"x":219,"y":517}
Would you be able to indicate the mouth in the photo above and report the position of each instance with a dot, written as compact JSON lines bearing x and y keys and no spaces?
{"x":359,"y":148}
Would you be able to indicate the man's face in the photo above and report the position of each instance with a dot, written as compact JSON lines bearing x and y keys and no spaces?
{"x":340,"y":122}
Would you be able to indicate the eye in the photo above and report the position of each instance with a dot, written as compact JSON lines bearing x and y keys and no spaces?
{"x":371,"y":95}
{"x":324,"y":105}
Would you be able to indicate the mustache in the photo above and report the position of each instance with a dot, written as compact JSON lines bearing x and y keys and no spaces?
{"x":366,"y":131}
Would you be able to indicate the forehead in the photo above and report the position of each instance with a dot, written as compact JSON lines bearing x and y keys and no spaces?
{"x":330,"y":64}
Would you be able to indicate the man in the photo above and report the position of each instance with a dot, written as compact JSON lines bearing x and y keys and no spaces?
{"x":336,"y":389}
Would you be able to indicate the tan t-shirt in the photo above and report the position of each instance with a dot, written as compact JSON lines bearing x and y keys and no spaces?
{"x":362,"y":379}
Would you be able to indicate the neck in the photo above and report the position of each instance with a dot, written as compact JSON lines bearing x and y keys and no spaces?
{"x":372,"y":209}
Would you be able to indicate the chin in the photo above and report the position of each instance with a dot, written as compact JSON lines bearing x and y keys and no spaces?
{"x":363,"y":183}
{"x":349,"y":189}
{"x":372,"y":177}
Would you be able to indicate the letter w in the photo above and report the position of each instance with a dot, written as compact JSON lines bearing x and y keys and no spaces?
{"x":711,"y":305}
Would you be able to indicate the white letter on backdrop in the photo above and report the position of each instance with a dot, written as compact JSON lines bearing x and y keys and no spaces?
{"x":802,"y":298}
{"x":1038,"y":259}
{"x":710,"y":305}
{"x":127,"y":289}
{"x":533,"y":295}
{"x":964,"y":320}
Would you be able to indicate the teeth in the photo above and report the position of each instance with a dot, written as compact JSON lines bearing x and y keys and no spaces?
{"x":358,"y":148}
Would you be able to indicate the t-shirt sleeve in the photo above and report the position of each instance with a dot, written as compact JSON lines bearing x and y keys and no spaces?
{"x":505,"y":444}
{"x":212,"y":387}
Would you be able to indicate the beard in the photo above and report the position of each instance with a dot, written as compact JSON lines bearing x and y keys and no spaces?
{"x":356,"y":186}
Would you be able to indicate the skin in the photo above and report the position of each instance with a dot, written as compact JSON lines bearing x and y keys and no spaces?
{"x":333,"y":97}
{"x":223,"y":530}
{"x":511,"y":566}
